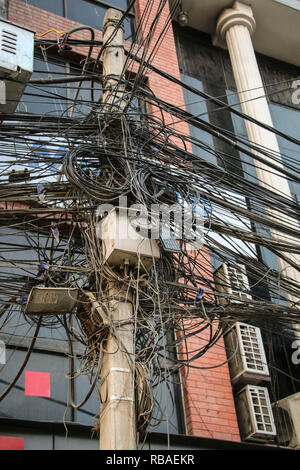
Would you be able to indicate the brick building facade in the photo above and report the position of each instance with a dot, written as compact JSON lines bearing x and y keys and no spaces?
{"x":207,"y":396}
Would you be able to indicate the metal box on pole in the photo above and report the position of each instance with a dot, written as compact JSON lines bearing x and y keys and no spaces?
{"x":16,"y":63}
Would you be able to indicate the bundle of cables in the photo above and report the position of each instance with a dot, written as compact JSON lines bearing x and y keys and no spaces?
{"x":98,"y":172}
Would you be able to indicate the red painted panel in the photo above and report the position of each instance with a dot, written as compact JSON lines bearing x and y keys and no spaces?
{"x":11,"y":443}
{"x":37,"y":383}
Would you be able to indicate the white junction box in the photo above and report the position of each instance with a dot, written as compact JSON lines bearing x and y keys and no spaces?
{"x":122,"y":243}
{"x":51,"y":300}
{"x":16,"y":63}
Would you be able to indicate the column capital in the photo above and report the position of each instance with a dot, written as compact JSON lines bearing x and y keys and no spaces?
{"x":239,"y":14}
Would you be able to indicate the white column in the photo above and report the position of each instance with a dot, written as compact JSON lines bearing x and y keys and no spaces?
{"x":235,"y":26}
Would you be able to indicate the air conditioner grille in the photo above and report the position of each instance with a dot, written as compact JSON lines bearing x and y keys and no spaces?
{"x":9,"y":41}
{"x":262,"y":410}
{"x":254,"y":413}
{"x":232,"y":283}
{"x":252,"y":346}
{"x":245,"y":349}
{"x":238,"y":281}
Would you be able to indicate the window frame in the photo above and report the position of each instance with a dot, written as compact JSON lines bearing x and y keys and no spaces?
{"x":105,"y":4}
{"x":68,"y":66}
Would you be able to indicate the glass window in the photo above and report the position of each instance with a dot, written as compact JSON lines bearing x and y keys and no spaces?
{"x":199,"y":62}
{"x":118,"y":3}
{"x":278,"y":79}
{"x":59,"y":99}
{"x":196,"y":106}
{"x":82,"y":94}
{"x":287,"y":120}
{"x":240,"y":130}
{"x":54,"y":6}
{"x":211,"y":67}
{"x":21,"y":249}
{"x":18,"y":405}
{"x":166,"y":417}
{"x":86,"y":12}
{"x":50,"y":99}
{"x":56,"y":407}
{"x":92,"y":13}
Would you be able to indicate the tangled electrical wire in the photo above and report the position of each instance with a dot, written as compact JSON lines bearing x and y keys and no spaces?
{"x":57,"y":169}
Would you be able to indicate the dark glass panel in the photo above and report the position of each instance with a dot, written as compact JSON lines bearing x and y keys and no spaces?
{"x":21,"y":406}
{"x":54,"y":6}
{"x":83,"y":95}
{"x":91,"y":14}
{"x":45,"y":99}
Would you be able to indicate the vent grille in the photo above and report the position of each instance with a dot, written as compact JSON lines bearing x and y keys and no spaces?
{"x":238,"y":281}
{"x":262,"y":410}
{"x":9,"y":41}
{"x":232,"y":283}
{"x":246,"y":353}
{"x":252,"y":346}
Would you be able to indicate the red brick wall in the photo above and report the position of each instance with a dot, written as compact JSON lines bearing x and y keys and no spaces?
{"x":165,"y":59}
{"x":209,"y":405}
{"x":208,"y":398}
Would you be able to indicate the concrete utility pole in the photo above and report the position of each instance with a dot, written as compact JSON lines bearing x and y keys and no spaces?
{"x":113,"y":61}
{"x":117,"y":414}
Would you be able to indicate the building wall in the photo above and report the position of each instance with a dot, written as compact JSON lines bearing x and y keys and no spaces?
{"x":209,"y":405}
{"x":208,"y":398}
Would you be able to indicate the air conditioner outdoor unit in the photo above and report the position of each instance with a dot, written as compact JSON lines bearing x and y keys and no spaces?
{"x":287,"y":419}
{"x":16,"y":63}
{"x":245,"y":350}
{"x":232,"y":283}
{"x":254,"y":413}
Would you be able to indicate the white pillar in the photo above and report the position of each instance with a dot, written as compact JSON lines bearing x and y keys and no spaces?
{"x":235,"y":26}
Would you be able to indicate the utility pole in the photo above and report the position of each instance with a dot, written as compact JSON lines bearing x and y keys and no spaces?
{"x":113,"y":61}
{"x":117,"y":413}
